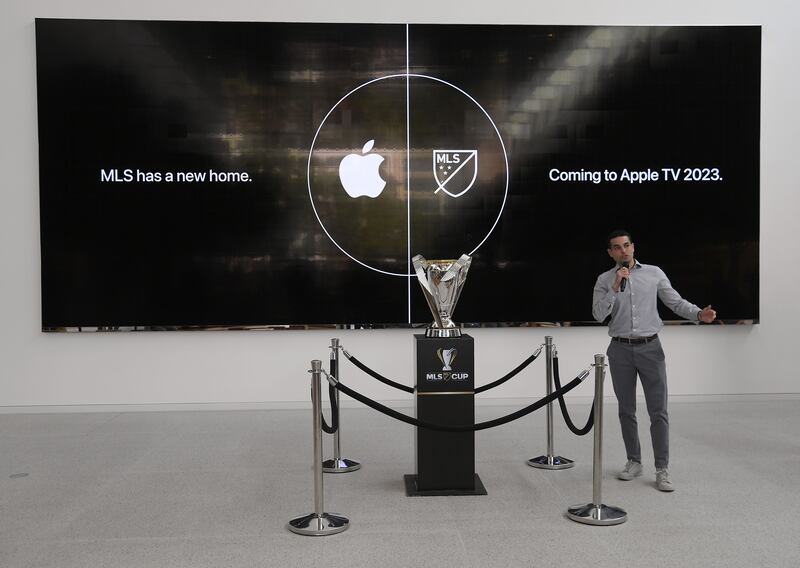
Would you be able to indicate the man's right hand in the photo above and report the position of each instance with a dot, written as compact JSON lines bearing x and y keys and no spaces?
{"x":622,"y":273}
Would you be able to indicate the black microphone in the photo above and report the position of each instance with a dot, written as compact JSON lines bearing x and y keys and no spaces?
{"x":624,"y":280}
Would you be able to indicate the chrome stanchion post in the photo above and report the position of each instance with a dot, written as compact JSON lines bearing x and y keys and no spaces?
{"x":338,"y":464}
{"x":550,"y":461}
{"x":595,"y":513}
{"x":318,"y":523}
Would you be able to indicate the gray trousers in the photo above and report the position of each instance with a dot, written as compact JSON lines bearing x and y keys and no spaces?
{"x":646,"y":360}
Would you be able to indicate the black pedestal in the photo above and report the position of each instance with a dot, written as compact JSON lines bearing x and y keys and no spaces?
{"x":410,"y":482}
{"x":445,"y":461}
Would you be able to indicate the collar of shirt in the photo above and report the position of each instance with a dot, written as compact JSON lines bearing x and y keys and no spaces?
{"x":636,"y":264}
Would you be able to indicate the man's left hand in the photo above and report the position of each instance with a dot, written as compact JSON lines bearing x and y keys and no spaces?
{"x":707,"y":314}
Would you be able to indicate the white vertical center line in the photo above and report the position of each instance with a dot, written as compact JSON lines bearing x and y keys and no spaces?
{"x":408,"y":169}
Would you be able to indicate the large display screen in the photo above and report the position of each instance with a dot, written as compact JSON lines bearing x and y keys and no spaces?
{"x":235,"y":175}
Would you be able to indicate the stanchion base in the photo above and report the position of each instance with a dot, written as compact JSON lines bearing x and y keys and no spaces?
{"x":550,"y":462}
{"x":591,"y":514}
{"x":342,"y":465}
{"x":319,"y":525}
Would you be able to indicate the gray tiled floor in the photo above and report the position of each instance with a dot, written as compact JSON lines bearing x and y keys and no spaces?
{"x":210,"y":488}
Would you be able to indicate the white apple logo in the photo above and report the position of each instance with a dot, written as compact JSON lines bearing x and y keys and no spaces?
{"x":359,"y":173}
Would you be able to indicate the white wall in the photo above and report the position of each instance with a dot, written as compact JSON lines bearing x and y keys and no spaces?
{"x":253,"y":367}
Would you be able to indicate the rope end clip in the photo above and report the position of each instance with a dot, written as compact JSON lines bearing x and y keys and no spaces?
{"x":333,"y":380}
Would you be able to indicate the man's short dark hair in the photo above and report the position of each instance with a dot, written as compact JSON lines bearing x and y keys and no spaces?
{"x":618,"y":233}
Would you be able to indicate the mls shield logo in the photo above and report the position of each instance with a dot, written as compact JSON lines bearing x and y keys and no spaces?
{"x":447,"y":356}
{"x":455,"y":171}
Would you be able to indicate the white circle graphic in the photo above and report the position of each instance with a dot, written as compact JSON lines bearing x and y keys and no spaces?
{"x":407,"y":76}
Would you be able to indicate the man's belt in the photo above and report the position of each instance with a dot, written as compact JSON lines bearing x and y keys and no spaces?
{"x":635,"y":340}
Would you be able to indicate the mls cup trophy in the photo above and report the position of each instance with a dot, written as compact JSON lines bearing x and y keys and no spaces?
{"x":442,"y":282}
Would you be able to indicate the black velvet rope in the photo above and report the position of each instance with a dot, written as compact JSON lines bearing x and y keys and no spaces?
{"x":334,"y":413}
{"x":513,"y":373}
{"x":410,"y":390}
{"x":334,"y":407}
{"x":565,"y":413}
{"x":378,"y":376}
{"x":472,"y":428}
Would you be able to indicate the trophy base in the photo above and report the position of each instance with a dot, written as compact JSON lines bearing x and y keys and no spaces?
{"x":447,"y":332}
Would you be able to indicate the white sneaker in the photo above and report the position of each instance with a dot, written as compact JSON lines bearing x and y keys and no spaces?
{"x":662,"y":480}
{"x":632,"y":469}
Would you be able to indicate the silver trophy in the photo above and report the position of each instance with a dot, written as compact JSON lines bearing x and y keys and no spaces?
{"x":442,"y":282}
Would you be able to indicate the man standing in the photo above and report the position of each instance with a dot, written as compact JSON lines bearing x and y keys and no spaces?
{"x":628,"y":293}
